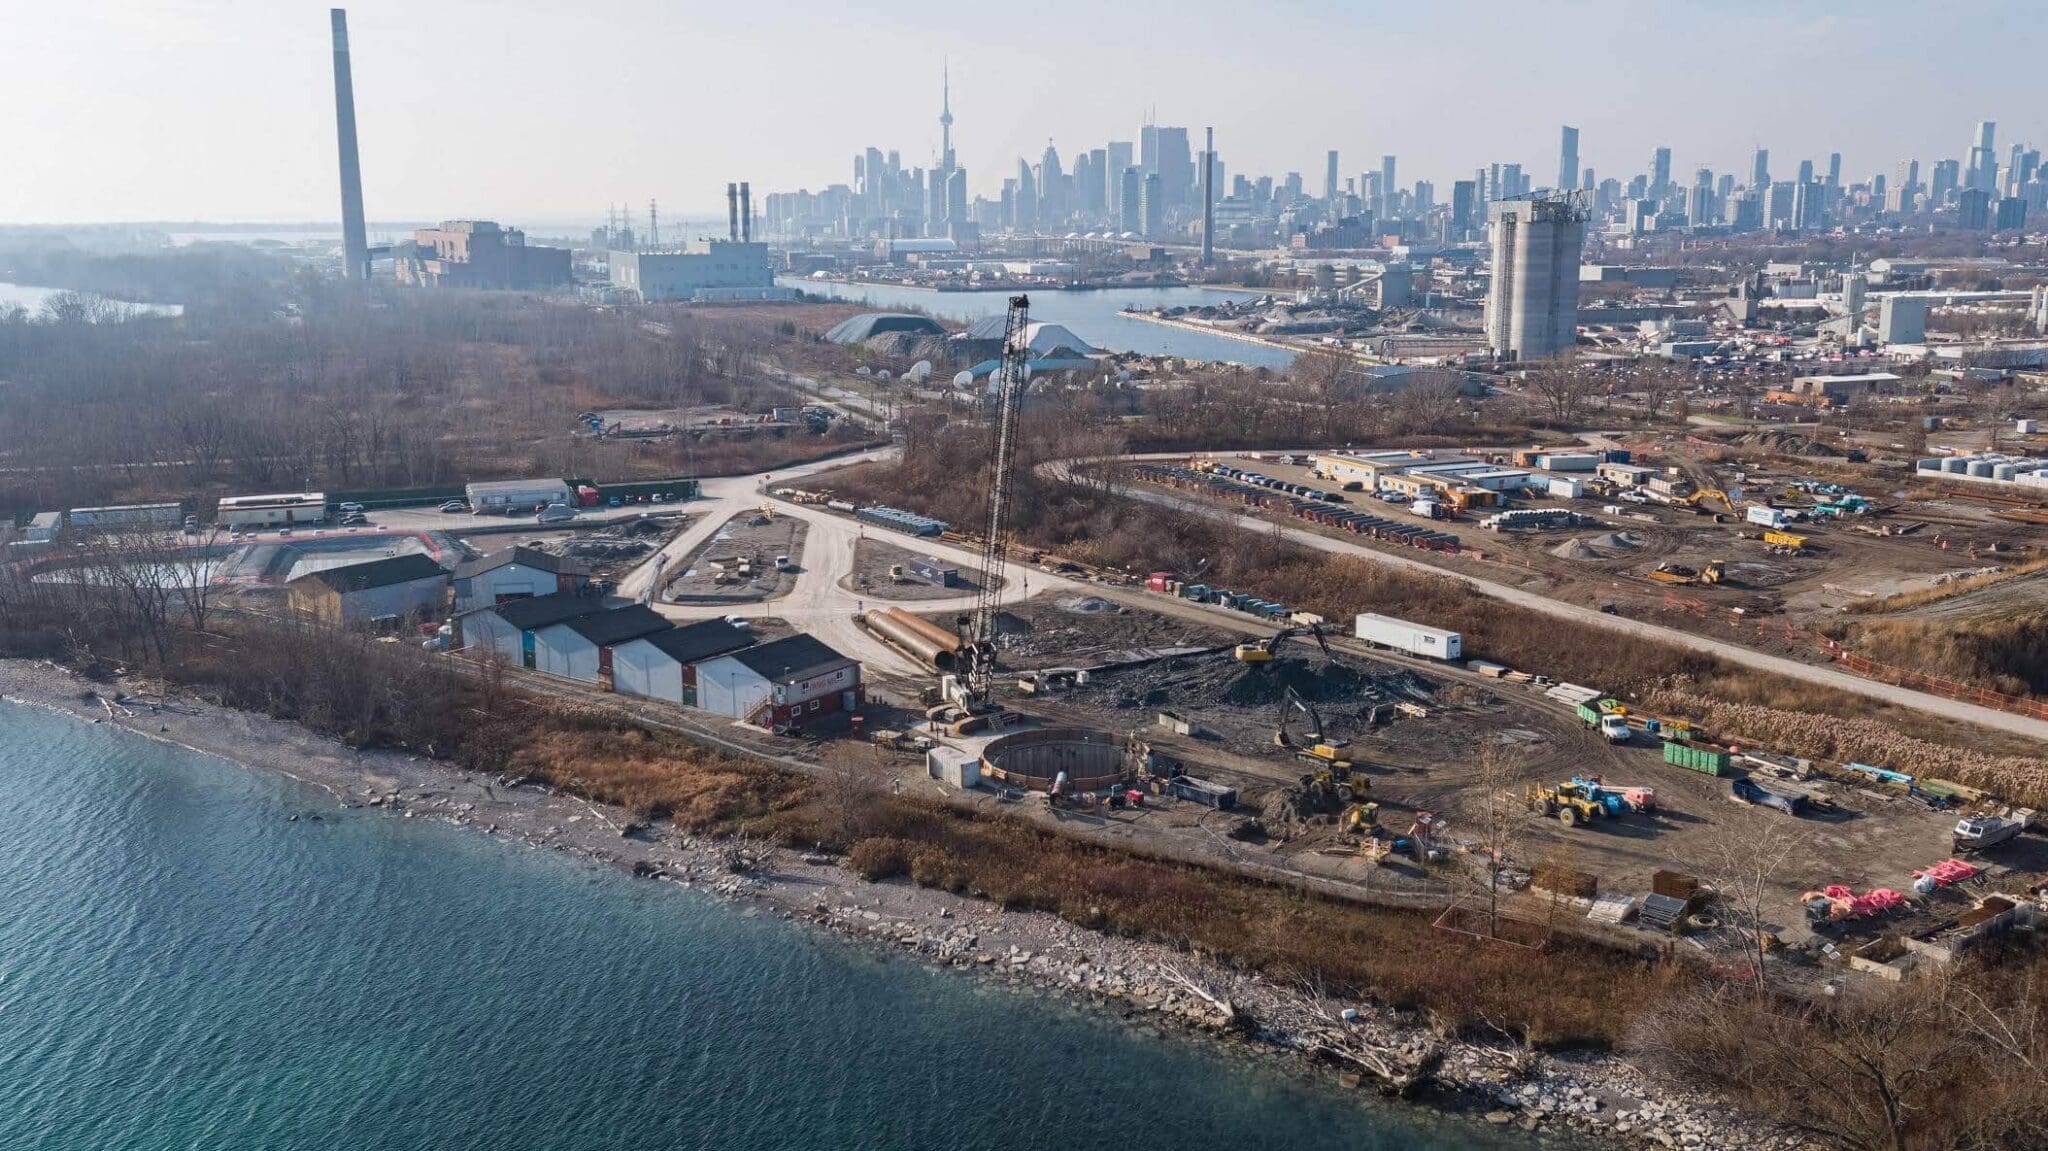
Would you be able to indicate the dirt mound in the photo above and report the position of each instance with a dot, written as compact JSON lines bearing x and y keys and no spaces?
{"x":1598,"y":547}
{"x":1088,"y":605}
{"x":1785,"y":443}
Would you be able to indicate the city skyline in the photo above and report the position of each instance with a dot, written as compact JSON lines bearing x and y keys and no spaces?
{"x":238,"y":106}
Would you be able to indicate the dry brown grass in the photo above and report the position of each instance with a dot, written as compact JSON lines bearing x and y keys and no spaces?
{"x":1921,"y":597}
{"x":1815,"y":735}
{"x":2006,"y":653}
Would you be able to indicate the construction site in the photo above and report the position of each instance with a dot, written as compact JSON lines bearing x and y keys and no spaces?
{"x":1380,"y":758}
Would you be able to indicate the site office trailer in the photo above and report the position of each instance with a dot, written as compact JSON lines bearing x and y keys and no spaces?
{"x":280,"y":510}
{"x":1413,"y":638}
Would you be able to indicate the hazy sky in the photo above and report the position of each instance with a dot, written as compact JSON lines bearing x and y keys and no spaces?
{"x":536,"y":112}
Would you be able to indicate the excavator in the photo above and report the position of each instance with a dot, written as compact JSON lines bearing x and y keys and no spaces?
{"x":1262,"y":651}
{"x":1693,"y":500}
{"x":1333,"y":774}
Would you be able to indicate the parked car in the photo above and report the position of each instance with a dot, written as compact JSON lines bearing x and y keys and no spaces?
{"x":350,"y":507}
{"x":453,"y":506}
{"x":354,"y":520}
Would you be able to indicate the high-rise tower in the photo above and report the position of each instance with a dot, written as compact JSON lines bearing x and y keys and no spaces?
{"x":946,"y":119}
{"x":355,"y":240}
{"x":1568,"y":158}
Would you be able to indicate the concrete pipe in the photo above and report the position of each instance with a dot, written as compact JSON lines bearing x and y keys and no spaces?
{"x":925,"y":628}
{"x":912,"y":641}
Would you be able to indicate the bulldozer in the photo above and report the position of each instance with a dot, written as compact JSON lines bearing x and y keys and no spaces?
{"x":1568,"y":802}
{"x":1262,"y":651}
{"x":1672,"y":573}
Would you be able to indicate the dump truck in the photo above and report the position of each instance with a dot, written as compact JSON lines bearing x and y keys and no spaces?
{"x":1610,"y":717}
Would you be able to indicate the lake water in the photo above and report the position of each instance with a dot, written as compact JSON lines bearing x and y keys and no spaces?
{"x":182,"y":967}
{"x":1094,"y":316}
{"x":31,"y":297}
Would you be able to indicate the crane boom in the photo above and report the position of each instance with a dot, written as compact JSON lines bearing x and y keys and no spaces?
{"x":1011,"y":376}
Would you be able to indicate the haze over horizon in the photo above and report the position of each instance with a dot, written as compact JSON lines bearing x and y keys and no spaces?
{"x":224,"y":109}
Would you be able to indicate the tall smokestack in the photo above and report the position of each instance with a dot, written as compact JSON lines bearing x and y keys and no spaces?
{"x":355,"y":240}
{"x":732,"y":210}
{"x":746,"y":214}
{"x":1208,"y":196}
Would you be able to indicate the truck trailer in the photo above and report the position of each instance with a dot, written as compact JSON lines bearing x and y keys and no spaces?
{"x":1413,"y":638}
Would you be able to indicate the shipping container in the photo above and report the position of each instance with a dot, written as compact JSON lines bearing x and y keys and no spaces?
{"x":1568,"y":461}
{"x":1567,"y":489}
{"x":1203,"y":792}
{"x":1413,"y":638}
{"x":1701,"y":757}
{"x":1157,"y":581}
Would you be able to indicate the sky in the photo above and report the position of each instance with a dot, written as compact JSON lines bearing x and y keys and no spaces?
{"x":537,"y":111}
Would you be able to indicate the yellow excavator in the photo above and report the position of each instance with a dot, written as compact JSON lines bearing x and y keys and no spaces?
{"x":1263,"y":651}
{"x":1333,"y":773}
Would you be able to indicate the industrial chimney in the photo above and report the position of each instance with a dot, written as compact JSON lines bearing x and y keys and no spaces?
{"x":746,"y":214}
{"x":732,"y":210}
{"x":355,"y":241}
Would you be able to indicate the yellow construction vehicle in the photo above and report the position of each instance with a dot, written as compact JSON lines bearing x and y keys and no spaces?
{"x":1694,"y":499}
{"x":1359,"y":819}
{"x":1780,"y":539}
{"x":1567,"y":801}
{"x":1262,"y":651}
{"x":1310,"y":744}
{"x":1672,"y":573}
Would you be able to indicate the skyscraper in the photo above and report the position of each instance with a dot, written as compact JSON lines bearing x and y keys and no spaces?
{"x":1151,"y":210}
{"x":1805,"y":172}
{"x":1387,"y":186}
{"x":1330,"y":180}
{"x":1834,"y":169}
{"x":1119,"y":162}
{"x":355,"y":240}
{"x":1532,"y":302}
{"x":1568,"y":158}
{"x":1464,"y":197}
{"x":1130,"y":209}
{"x":1176,"y":167}
{"x":1660,"y":172}
{"x":1983,"y":170}
{"x":1941,"y":186}
{"x":1760,"y":169}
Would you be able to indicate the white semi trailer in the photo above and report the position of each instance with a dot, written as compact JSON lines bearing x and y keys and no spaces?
{"x":1413,"y":638}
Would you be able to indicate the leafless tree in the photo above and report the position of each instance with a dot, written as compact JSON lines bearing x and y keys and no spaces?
{"x":1564,"y":390}
{"x":1500,"y":818}
{"x":1744,"y":863}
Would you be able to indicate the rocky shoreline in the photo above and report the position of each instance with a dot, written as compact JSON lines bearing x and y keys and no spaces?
{"x":1580,"y":1099}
